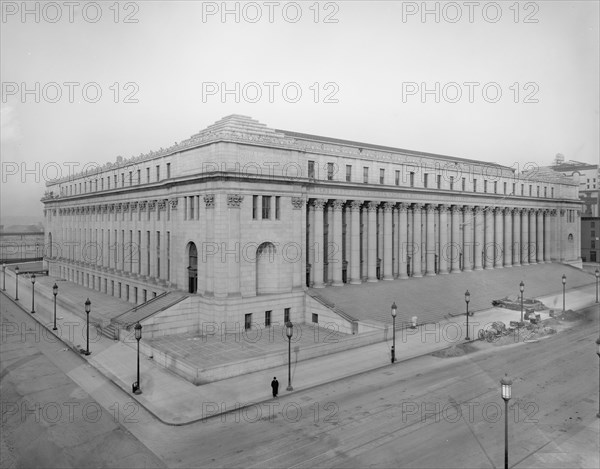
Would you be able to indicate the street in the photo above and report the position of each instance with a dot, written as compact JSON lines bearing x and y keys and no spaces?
{"x":425,"y":412}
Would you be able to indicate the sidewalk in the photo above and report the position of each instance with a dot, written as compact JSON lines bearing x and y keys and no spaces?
{"x":175,"y":401}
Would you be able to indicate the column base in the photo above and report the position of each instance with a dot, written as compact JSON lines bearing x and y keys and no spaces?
{"x":372,"y":280}
{"x":388,"y":277}
{"x":443,"y":272}
{"x":355,"y":281}
{"x":417,"y":275}
{"x":403,"y":276}
{"x":430,"y":274}
{"x":455,"y":271}
{"x":318,"y":285}
{"x":478,"y":267}
{"x":337,"y":284}
{"x":468,"y":269}
{"x":507,"y":266}
{"x":498,"y":267}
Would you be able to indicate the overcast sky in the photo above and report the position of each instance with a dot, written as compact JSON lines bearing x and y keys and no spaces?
{"x":516,"y":82}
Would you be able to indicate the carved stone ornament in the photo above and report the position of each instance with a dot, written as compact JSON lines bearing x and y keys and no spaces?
{"x":173,"y":203}
{"x":234,"y":200}
{"x":355,"y":205}
{"x":402,"y":207}
{"x":338,"y":205}
{"x":297,"y":203}
{"x":209,"y":200}
{"x":162,"y":204}
{"x":151,"y":205}
{"x":318,"y":204}
{"x":443,"y":208}
{"x":143,"y":205}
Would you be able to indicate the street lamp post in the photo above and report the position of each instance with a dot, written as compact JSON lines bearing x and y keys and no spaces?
{"x":33,"y":294}
{"x":505,"y":386}
{"x":17,"y":283}
{"x":467,"y":299}
{"x":394,"y":311}
{"x":4,"y":276}
{"x":521,"y":289}
{"x":138,"y":336}
{"x":564,"y":282}
{"x":598,"y":352}
{"x":289,"y":331}
{"x":597,"y":277}
{"x":88,"y":308}
{"x":55,"y":292}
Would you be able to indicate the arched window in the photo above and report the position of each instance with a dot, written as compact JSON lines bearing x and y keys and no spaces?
{"x":192,"y":268}
{"x":267,"y":269}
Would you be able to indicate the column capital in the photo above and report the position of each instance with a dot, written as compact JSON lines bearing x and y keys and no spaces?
{"x":151,"y":205}
{"x":388,"y":206}
{"x":338,"y":204}
{"x":478,"y":209}
{"x":298,"y":203}
{"x":372,"y":206}
{"x":457,"y":208}
{"x":443,"y":208}
{"x":234,"y":200}
{"x":142,"y":205}
{"x":162,"y":204}
{"x":562,"y":212}
{"x":402,"y":207}
{"x":318,"y":204}
{"x":173,"y":203}
{"x":209,"y":200}
{"x":417,"y":207}
{"x":355,"y":205}
{"x":430,"y":208}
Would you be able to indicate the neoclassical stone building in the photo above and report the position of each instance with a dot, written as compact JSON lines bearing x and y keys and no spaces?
{"x":246,"y":219}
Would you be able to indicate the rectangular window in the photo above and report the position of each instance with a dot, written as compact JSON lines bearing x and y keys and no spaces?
{"x":131,"y":178}
{"x":365,"y":174}
{"x":286,"y":315}
{"x":147,"y":175}
{"x":311,"y":169}
{"x":397,"y":178}
{"x":101,"y":183}
{"x":330,"y":171}
{"x":545,"y":192}
{"x":451,"y":182}
{"x":254,"y":207}
{"x":412,"y":179}
{"x":495,"y":187}
{"x":439,"y":181}
{"x":115,"y":180}
{"x":266,"y":207}
{"x":485,"y":187}
{"x":537,"y":189}
{"x":315,"y":318}
{"x":158,"y":172}
{"x":530,"y":190}
{"x":504,"y":188}
{"x":277,"y":207}
{"x":126,"y":292}
{"x":348,"y":173}
{"x":248,"y":321}
{"x":191,"y":207}
{"x":268,"y":318}
{"x":552,"y":192}
{"x":122,"y":179}
{"x":139,"y":178}
{"x":425,"y":180}
{"x":474,"y":185}
{"x":108,"y":182}
{"x":593,"y":244}
{"x":168,"y":170}
{"x":464,"y":184}
{"x":381,"y":176}
{"x":522,"y":189}
{"x":135,"y":295}
{"x":593,"y":233}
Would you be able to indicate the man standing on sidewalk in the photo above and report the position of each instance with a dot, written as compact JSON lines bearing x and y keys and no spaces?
{"x":275,"y":386}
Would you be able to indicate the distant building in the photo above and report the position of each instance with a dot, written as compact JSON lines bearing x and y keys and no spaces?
{"x":590,"y":239}
{"x":246,"y":219}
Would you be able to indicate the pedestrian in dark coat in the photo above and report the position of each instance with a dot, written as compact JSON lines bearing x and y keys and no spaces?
{"x":275,"y":386}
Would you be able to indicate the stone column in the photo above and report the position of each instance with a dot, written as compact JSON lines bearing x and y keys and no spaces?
{"x":395,"y":240}
{"x":478,"y":244}
{"x":354,"y":269}
{"x":403,"y":240}
{"x":336,"y":257}
{"x":468,"y":232}
{"x":456,"y":244}
{"x":525,"y":236}
{"x":532,"y":236}
{"x":388,"y":272}
{"x":444,"y":247}
{"x":540,"y":237}
{"x":508,"y":237}
{"x":317,"y":271}
{"x":488,"y":249}
{"x":310,"y":255}
{"x":516,"y":243}
{"x":430,"y":241}
{"x":416,"y":248}
{"x":548,"y":244}
{"x":372,"y":242}
{"x":498,"y":238}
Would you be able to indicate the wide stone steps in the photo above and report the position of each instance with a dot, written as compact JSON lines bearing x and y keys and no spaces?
{"x":149,"y":308}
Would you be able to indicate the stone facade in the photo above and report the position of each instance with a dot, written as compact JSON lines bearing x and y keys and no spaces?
{"x":246,"y":218}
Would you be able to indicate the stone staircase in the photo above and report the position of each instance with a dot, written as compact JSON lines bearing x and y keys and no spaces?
{"x":145,"y":310}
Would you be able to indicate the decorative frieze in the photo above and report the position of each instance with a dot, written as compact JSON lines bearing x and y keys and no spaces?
{"x":173,"y":203}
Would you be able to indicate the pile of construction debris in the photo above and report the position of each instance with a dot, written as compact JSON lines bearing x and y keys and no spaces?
{"x":514,"y":303}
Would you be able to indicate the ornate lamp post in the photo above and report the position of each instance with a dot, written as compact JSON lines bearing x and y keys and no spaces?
{"x":597,"y":277}
{"x":394,"y":311}
{"x":598,"y":352}
{"x":4,"y":276}
{"x":17,"y":283}
{"x":138,"y":336}
{"x":564,"y":282}
{"x":505,"y":387}
{"x":289,"y":331}
{"x":521,"y":289}
{"x":88,"y":308}
{"x":467,"y":299}
{"x":33,"y":294}
{"x":55,"y":292}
